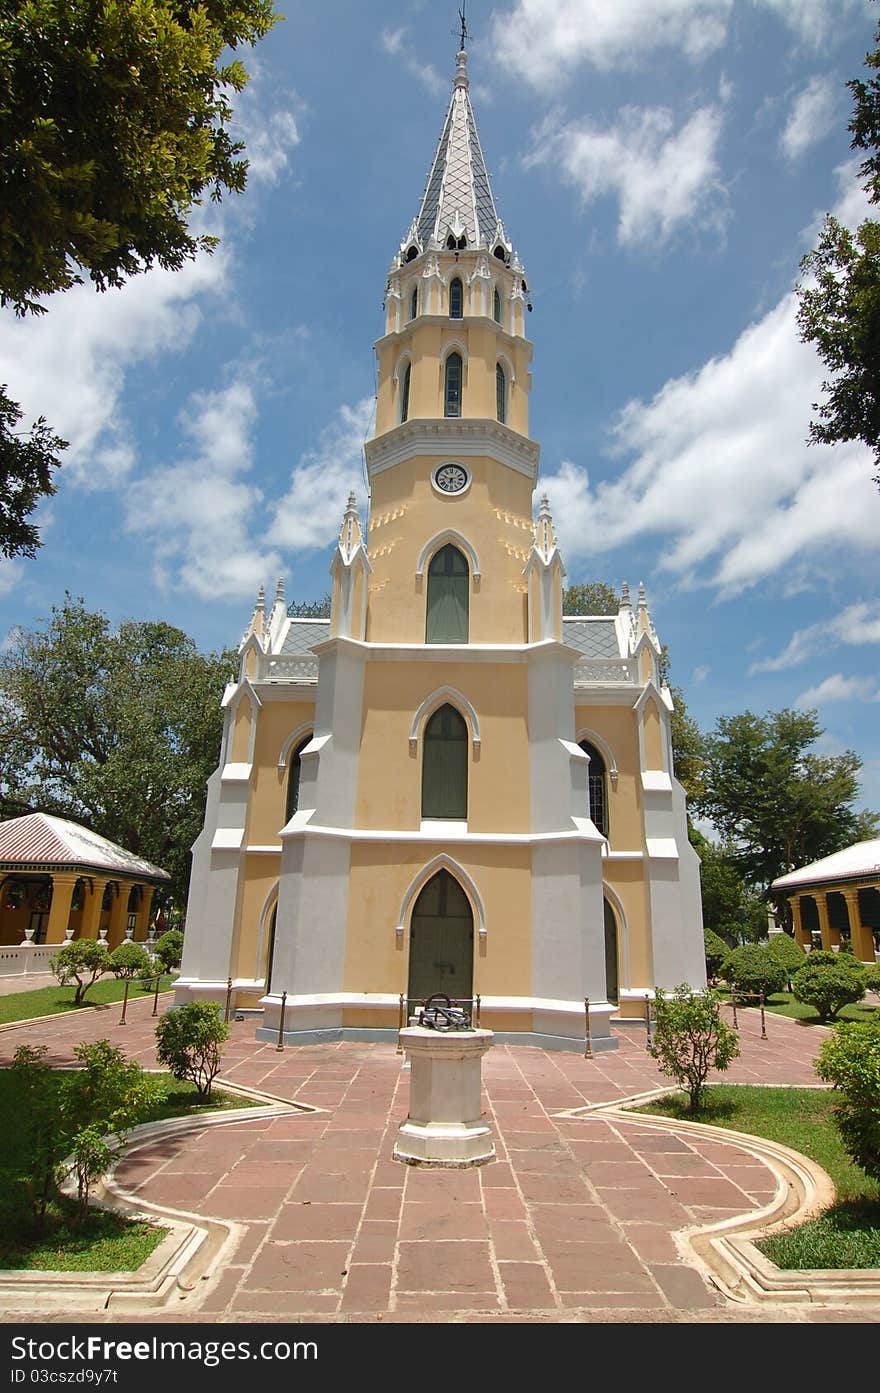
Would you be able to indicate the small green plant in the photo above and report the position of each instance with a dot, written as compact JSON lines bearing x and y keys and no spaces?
{"x":40,"y":1121}
{"x":828,"y":986}
{"x":691,"y":1039}
{"x":871,"y":977}
{"x":188,"y":1040}
{"x":82,"y":961}
{"x":99,"y":1103}
{"x":850,"y":1060}
{"x":130,"y":960}
{"x":169,"y":949}
{"x":787,"y":953}
{"x":716,"y":951}
{"x":754,"y":971}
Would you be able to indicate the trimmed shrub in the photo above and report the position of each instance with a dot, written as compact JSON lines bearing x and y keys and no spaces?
{"x":691,"y":1039}
{"x":169,"y":949}
{"x":871,"y":977}
{"x":753,"y":970}
{"x":850,"y":1060}
{"x":188,"y":1040}
{"x":130,"y":960}
{"x":828,"y":987}
{"x":82,"y":961}
{"x":716,"y":951}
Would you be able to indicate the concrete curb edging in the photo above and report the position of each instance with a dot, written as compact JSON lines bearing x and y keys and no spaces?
{"x":725,"y":1250}
{"x":193,"y":1252}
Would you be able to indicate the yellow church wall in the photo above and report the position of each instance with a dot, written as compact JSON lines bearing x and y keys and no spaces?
{"x":617,"y":727}
{"x":377,"y":960}
{"x":494,"y":516}
{"x":241,"y":733}
{"x":653,"y":737}
{"x":498,"y":794}
{"x":626,"y":879}
{"x":255,"y":885}
{"x":277,"y":722}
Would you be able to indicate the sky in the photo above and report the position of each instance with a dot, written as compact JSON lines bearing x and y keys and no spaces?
{"x":661,"y":167}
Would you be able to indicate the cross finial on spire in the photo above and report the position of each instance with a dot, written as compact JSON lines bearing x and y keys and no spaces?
{"x":464,"y":29}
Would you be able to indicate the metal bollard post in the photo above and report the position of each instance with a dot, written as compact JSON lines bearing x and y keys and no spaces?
{"x":122,"y":1020}
{"x":647,"y":1020}
{"x":228,"y":999}
{"x":280,"y":1045}
{"x":400,"y":1024}
{"x":735,"y":1021}
{"x":477,"y":1013}
{"x":588,"y":1043}
{"x":763,"y":1022}
{"x":156,"y":996}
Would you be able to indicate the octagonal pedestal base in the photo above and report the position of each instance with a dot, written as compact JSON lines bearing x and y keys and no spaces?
{"x":445,"y":1126}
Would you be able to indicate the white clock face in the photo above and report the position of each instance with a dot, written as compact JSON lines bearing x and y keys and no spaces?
{"x":451,"y":478}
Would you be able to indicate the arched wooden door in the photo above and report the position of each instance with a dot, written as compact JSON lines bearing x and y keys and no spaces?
{"x":441,"y":941}
{"x":270,"y":954}
{"x":612,"y":977}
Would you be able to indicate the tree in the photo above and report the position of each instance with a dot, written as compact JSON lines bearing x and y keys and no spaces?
{"x":839,"y":308}
{"x":850,"y":1060}
{"x":169,"y":949}
{"x":775,"y":803}
{"x":41,"y":1123}
{"x":716,"y":952}
{"x":787,"y":953}
{"x":828,"y":987}
{"x":82,"y":961}
{"x":130,"y":960}
{"x":99,"y":1103}
{"x":113,"y":123}
{"x":753,"y":970}
{"x":691,"y":1039}
{"x":118,"y":729}
{"x":188,"y":1040}
{"x":591,"y":597}
{"x":27,"y":459}
{"x":730,"y":907}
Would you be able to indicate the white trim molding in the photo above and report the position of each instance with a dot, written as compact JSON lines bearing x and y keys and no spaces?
{"x":420,"y":880}
{"x":605,"y":750}
{"x":432,"y":703}
{"x":441,"y":539}
{"x":307,"y":727}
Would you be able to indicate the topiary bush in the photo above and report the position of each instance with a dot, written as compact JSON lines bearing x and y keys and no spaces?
{"x":169,"y":949}
{"x":188,"y":1040}
{"x":754,"y":971}
{"x":871,"y":977}
{"x":130,"y":960}
{"x":850,"y":1060}
{"x":691,"y":1039}
{"x":716,"y":951}
{"x":828,"y":986}
{"x":82,"y":961}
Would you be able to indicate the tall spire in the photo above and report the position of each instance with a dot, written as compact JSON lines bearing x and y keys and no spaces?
{"x":458,"y":202}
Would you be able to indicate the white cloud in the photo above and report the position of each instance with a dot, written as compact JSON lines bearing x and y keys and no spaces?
{"x":310,"y":513}
{"x":810,"y":117}
{"x":700,"y":674}
{"x":10,"y":576}
{"x":857,"y":624}
{"x":811,"y":20}
{"x":661,"y":176}
{"x":199,"y":510}
{"x":395,"y":42}
{"x":268,"y":134}
{"x":839,"y":688}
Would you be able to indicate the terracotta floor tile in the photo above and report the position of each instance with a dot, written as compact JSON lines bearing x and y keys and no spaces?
{"x":454,"y":1221}
{"x":526,"y":1286}
{"x":512,"y":1241}
{"x":298,"y":1267}
{"x":451,"y":1266}
{"x":320,"y":1221}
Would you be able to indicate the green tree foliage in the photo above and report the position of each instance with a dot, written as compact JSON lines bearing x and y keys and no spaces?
{"x":753,"y":970}
{"x":691,"y":1039}
{"x":130,"y":960}
{"x":117,"y":729}
{"x":774,"y":801}
{"x":99,"y":1104}
{"x":850,"y":1060}
{"x":871,"y":977}
{"x":688,"y":748}
{"x":730,"y":907}
{"x":27,"y":459}
{"x":592,"y":597}
{"x":114,"y":120}
{"x":169,"y":949}
{"x":716,"y":952}
{"x":82,"y":961}
{"x":787,"y":953}
{"x":828,"y":987}
{"x":41,"y":1122}
{"x":839,"y":307}
{"x":188,"y":1040}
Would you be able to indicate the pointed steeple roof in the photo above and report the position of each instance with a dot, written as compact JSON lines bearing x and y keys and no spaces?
{"x":458,"y":197}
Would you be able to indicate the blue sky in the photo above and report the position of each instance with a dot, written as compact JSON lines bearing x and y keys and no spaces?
{"x":661,"y":166}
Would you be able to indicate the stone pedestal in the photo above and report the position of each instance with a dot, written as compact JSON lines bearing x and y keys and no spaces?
{"x":445,"y":1125}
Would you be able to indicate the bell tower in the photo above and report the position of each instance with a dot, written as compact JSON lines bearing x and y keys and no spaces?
{"x":451,"y":462}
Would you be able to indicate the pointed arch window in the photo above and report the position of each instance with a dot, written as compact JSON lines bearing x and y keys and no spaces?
{"x":294,"y":768}
{"x":447,"y":610}
{"x":445,"y":766}
{"x":598,"y":780}
{"x":404,"y":393}
{"x":500,"y":394}
{"x":497,"y":309}
{"x":456,"y":299}
{"x":414,"y":302}
{"x":452,"y":386}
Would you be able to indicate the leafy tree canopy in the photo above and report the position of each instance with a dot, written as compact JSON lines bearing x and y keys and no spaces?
{"x":593,"y":597}
{"x":839,"y":308}
{"x":27,"y":459}
{"x":775,"y":802}
{"x":117,"y":729}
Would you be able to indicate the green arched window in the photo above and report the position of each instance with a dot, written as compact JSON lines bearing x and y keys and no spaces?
{"x":598,"y":780}
{"x":452,"y":386}
{"x":414,"y":303}
{"x":445,"y":766}
{"x":456,"y":299}
{"x":447,"y":608}
{"x":294,"y":768}
{"x":498,"y":319}
{"x":404,"y":393}
{"x":500,"y":394}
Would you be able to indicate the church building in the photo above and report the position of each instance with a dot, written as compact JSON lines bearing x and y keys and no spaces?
{"x":447,"y":785}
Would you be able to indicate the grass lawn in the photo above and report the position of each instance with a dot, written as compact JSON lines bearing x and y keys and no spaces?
{"x":784,"y":1004}
{"x":848,"y":1234}
{"x":51,"y":1001}
{"x":103,"y":1242}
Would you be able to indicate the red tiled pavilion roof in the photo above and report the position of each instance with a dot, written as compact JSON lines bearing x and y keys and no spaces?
{"x":39,"y":840}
